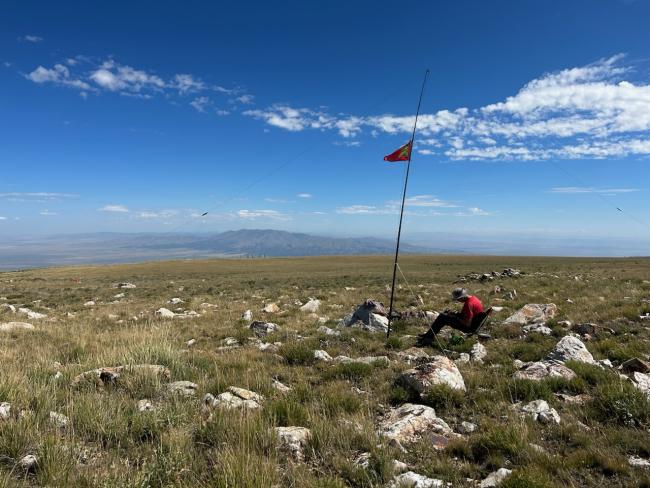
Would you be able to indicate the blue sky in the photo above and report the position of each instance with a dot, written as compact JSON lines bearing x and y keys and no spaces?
{"x":535,"y":121}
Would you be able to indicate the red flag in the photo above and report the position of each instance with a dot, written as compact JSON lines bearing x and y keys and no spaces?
{"x":402,"y":154}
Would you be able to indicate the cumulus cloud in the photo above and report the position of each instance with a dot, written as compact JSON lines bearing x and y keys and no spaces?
{"x":304,"y":195}
{"x":262,"y":214}
{"x":114,"y":209}
{"x":116,"y":77}
{"x":592,"y":111}
{"x":3,"y":218}
{"x":58,"y":75}
{"x":88,"y":74}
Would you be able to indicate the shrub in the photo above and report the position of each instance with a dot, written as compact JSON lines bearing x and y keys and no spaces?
{"x":349,"y":371}
{"x":297,"y":354}
{"x":443,"y":398}
{"x":621,"y":403}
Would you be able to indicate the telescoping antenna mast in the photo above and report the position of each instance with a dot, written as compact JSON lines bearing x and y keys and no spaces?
{"x":401,"y":214}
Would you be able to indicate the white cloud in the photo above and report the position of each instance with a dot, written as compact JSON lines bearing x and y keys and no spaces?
{"x":262,"y":214}
{"x":3,"y":218}
{"x":59,"y":75}
{"x":592,"y":111}
{"x":35,"y":196}
{"x":570,"y":190}
{"x":31,"y":38}
{"x":245,"y":99}
{"x":115,"y":77}
{"x":473,"y":212}
{"x":48,"y":212}
{"x":366,"y":210}
{"x":304,"y":195}
{"x":186,"y":83}
{"x":200,"y":103}
{"x":425,"y":201}
{"x":162,"y":214}
{"x":222,"y":112}
{"x":114,"y":208}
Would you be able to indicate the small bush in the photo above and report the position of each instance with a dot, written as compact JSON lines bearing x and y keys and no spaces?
{"x":443,"y":398}
{"x":297,"y":354}
{"x":621,"y":403}
{"x":349,"y":371}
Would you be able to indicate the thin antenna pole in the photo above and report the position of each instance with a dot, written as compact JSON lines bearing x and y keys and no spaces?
{"x":401,"y":214}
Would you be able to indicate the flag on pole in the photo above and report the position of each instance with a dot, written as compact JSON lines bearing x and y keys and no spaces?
{"x":402,"y":154}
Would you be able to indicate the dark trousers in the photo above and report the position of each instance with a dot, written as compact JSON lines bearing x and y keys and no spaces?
{"x":453,"y":321}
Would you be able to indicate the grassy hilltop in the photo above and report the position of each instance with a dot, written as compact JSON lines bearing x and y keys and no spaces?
{"x":105,"y":440}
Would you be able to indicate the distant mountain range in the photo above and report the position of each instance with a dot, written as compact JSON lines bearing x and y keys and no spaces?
{"x":103,"y":248}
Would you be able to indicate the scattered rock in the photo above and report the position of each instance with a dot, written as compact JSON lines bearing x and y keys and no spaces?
{"x":478,"y":352}
{"x":190,"y":343}
{"x":540,"y":411}
{"x":29,"y":462}
{"x":495,"y":479}
{"x":327,"y":331}
{"x":292,"y":440}
{"x":570,"y":348}
{"x":31,"y":314}
{"x":410,"y":422}
{"x":540,"y":328}
{"x":637,"y":462}
{"x":59,"y":420}
{"x":9,"y":326}
{"x":414,"y":480}
{"x":183,"y":388}
{"x":413,"y":355}
{"x":263,"y":328}
{"x":124,"y":286}
{"x":364,"y":359}
{"x":234,"y":398}
{"x":89,"y":303}
{"x":5,"y":410}
{"x":321,"y":355}
{"x":119,"y":295}
{"x":247,"y":315}
{"x":110,"y":374}
{"x":370,"y":315}
{"x":440,"y":371}
{"x":145,"y":405}
{"x":311,"y":306}
{"x":399,"y":466}
{"x":575,"y":399}
{"x":642,"y":382}
{"x":540,"y":370}
{"x":533,"y":312}
{"x":165,"y":313}
{"x":8,"y":306}
{"x":281,"y":387}
{"x":466,"y":428}
{"x":463,"y":357}
{"x":635,"y":365}
{"x":175,"y":301}
{"x":271,"y":308}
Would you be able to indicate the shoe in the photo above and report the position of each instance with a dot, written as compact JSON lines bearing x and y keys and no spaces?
{"x":424,"y":340}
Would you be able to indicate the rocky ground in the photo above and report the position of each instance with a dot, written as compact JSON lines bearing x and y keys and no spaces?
{"x":259,"y":373}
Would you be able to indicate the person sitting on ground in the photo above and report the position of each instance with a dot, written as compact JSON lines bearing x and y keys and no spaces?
{"x":461,"y":321}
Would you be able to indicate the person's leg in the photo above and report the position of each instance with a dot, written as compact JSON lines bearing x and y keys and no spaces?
{"x":439,"y":323}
